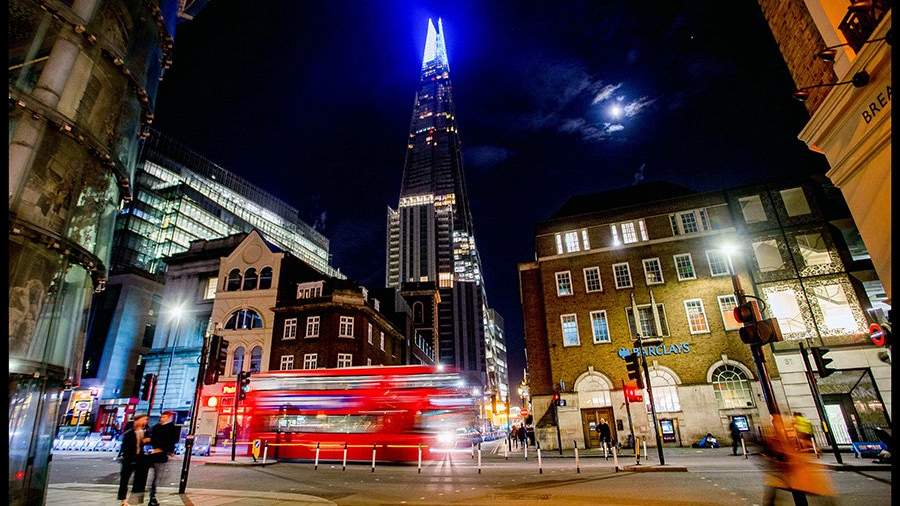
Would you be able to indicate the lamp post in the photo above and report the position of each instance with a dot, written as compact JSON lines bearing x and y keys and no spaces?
{"x":176,"y":313}
{"x":195,"y":410}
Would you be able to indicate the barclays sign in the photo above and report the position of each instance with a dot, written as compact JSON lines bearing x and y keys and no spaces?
{"x":657,"y":351}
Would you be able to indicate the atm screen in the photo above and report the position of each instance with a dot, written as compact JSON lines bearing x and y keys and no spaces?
{"x":742,"y":423}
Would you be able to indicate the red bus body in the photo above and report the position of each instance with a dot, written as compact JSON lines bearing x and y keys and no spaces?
{"x":396,"y":409}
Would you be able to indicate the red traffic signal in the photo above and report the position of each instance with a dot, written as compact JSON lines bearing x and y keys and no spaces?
{"x":743,"y":313}
{"x":633,"y":393}
{"x":879,"y":335}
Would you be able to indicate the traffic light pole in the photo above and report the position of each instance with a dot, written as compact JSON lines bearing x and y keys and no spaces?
{"x":237,"y":400}
{"x":195,"y":410}
{"x":765,"y":382}
{"x":659,"y":448}
{"x":829,"y":437}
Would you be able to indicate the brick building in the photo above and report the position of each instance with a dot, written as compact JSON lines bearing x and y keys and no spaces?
{"x":334,"y":323}
{"x":591,"y":258}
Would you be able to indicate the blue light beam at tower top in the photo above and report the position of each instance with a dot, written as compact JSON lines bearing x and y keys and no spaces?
{"x":435,"y":48}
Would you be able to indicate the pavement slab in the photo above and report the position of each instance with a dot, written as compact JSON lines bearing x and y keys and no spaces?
{"x":77,"y":494}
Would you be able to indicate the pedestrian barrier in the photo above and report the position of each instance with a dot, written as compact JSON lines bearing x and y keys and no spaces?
{"x":615,"y":458}
{"x":577,"y":466}
{"x":479,"y":458}
{"x":540,"y":463}
{"x":316,"y":467}
{"x":644,"y":443}
{"x":744,"y":449}
{"x":373,"y":458}
{"x":420,"y":459}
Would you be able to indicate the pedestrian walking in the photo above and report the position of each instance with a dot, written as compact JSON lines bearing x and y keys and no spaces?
{"x":735,"y":436}
{"x":803,"y":427}
{"x":605,"y":436}
{"x":792,"y":470}
{"x":523,"y":436}
{"x":531,"y":439}
{"x":133,"y":462}
{"x":163,"y":437}
{"x":514,"y":435}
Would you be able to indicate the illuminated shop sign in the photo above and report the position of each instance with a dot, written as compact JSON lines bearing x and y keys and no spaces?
{"x":657,"y":351}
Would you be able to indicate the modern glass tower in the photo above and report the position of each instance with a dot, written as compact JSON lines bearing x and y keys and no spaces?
{"x":430,"y":237}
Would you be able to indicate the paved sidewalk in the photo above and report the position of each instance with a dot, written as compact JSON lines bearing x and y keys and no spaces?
{"x":81,"y":494}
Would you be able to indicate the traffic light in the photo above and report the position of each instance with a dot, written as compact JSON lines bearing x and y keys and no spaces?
{"x":217,"y":355}
{"x":756,"y":331}
{"x":633,"y":366}
{"x":243,"y":385}
{"x":822,"y":362}
{"x":147,"y":386}
{"x":633,"y":393}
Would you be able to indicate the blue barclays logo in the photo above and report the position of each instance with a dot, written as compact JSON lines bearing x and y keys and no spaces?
{"x":656,"y":351}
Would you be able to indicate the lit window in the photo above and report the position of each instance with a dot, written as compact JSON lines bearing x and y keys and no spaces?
{"x":752,"y":209}
{"x":813,"y":249}
{"x":584,"y":240}
{"x":674,"y":223}
{"x":795,"y":202}
{"x":696,"y":316}
{"x":615,"y":235}
{"x":368,"y":361}
{"x":559,"y":244}
{"x":732,"y":387}
{"x":727,"y":303}
{"x":570,"y":330}
{"x":836,"y":312}
{"x":287,"y":362}
{"x":628,"y":234}
{"x":237,"y":360}
{"x":622,"y":275}
{"x":689,"y":223}
{"x":718,"y":263}
{"x":684,"y":267}
{"x":592,"y":279}
{"x":310,"y":360}
{"x":653,"y":271}
{"x":643,"y":230}
{"x":381,"y":340}
{"x":784,"y":307}
{"x":369,"y":334}
{"x":256,"y":359}
{"x":648,"y":322}
{"x":290,"y":328}
{"x":211,"y":285}
{"x":312,"y":326}
{"x":346,"y":327}
{"x":768,"y":258}
{"x":600,"y":327}
{"x":665,"y":392}
{"x":563,"y":283}
{"x":244,"y":319}
{"x":344,"y":360}
{"x":572,"y":242}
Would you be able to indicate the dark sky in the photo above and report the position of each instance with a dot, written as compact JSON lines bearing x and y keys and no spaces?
{"x":312,"y":102}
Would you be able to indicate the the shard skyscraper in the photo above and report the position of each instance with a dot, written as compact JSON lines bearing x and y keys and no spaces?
{"x":431,"y":253}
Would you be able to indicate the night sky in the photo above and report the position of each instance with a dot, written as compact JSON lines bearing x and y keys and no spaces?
{"x":312,"y":102}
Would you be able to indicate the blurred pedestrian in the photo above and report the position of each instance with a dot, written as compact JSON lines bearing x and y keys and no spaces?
{"x":530,"y":431}
{"x":133,"y":462}
{"x":803,"y":427}
{"x":163,"y":437}
{"x":514,"y":435}
{"x":523,"y":436}
{"x":791,"y":470}
{"x":735,"y":436}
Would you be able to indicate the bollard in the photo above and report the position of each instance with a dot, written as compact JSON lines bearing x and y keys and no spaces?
{"x":479,"y":458}
{"x":637,"y":452}
{"x":316,"y":467}
{"x":744,"y":448}
{"x":344,"y":465}
{"x":615,"y":458}
{"x":473,"y":451}
{"x":373,"y":458}
{"x":577,"y":466}
{"x":506,"y":452}
{"x":605,"y":450}
{"x":265,"y":453}
{"x":540,"y":463}
{"x":526,"y":452}
{"x":815,"y":449}
{"x":645,"y":450}
{"x":420,"y":459}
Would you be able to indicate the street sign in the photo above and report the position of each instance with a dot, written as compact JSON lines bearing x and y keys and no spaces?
{"x":523,"y":413}
{"x":257,"y":444}
{"x":877,"y":335}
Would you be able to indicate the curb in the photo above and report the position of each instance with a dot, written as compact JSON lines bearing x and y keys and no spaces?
{"x":275,"y":496}
{"x":858,"y":467}
{"x":238,"y":464}
{"x":655,"y":469}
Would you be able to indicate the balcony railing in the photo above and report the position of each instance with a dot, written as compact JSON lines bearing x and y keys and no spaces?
{"x":858,"y":24}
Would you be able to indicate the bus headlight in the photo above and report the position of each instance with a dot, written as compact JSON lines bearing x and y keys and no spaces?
{"x":446,"y":438}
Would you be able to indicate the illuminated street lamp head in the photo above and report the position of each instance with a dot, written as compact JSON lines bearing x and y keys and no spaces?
{"x":729,"y":248}
{"x":177,"y":311}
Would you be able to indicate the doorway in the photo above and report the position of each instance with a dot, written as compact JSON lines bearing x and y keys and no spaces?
{"x":590,"y":419}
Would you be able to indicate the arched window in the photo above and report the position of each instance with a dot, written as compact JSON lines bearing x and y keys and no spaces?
{"x":250,"y":278}
{"x":244,"y":319}
{"x":418,"y":312}
{"x":237,"y":362}
{"x":732,"y":387}
{"x":265,"y":278}
{"x":593,"y":390}
{"x":665,"y":392}
{"x":234,"y":281}
{"x":255,"y":359}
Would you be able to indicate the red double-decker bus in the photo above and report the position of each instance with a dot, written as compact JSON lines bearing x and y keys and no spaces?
{"x":396,"y":409}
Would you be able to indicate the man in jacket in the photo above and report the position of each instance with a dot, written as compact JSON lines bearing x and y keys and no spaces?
{"x":163,"y":437}
{"x":735,"y":436}
{"x":605,"y":436}
{"x":133,"y":461}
